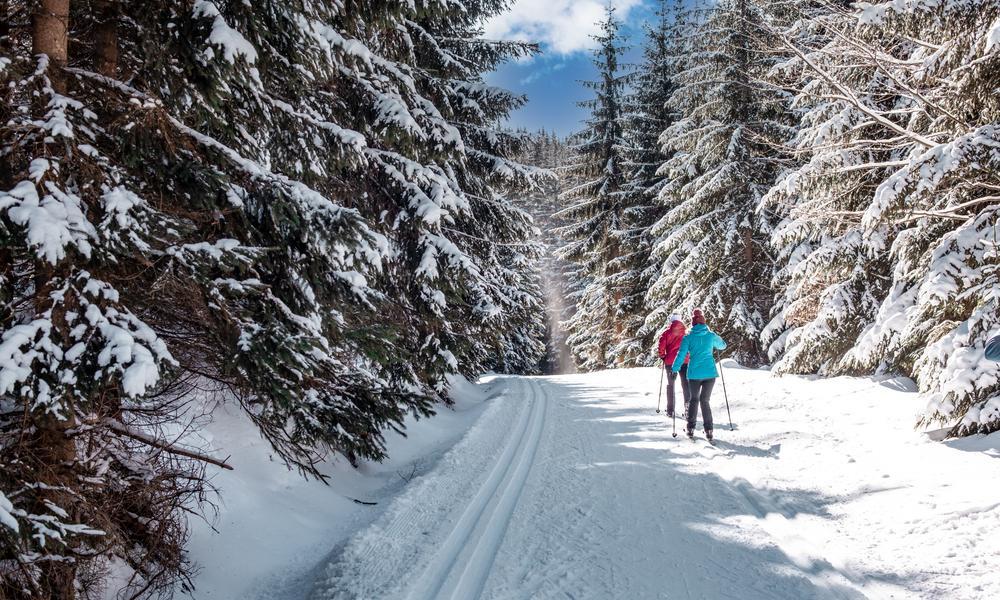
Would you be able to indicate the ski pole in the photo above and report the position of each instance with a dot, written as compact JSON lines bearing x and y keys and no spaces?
{"x":659,"y":394}
{"x":675,"y":416}
{"x":725,"y":394}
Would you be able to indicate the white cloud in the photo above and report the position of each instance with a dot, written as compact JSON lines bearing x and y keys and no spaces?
{"x":562,"y":26}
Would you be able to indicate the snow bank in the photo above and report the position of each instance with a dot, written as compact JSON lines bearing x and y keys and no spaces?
{"x":274,"y":527}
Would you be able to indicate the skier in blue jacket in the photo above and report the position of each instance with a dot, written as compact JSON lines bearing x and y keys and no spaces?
{"x":700,"y":344}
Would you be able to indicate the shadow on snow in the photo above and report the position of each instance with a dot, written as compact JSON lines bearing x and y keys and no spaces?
{"x":705,"y":555}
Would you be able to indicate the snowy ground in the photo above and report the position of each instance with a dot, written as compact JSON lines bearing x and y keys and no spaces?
{"x":275,"y":529}
{"x":572,"y":487}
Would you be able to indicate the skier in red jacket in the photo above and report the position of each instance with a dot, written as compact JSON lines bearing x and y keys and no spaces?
{"x":670,"y":343}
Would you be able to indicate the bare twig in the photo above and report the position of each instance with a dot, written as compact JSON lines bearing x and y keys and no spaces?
{"x":139,"y":436}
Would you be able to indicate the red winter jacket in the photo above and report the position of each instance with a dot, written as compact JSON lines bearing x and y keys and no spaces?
{"x":670,"y":342}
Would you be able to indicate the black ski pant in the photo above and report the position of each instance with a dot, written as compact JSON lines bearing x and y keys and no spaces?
{"x":671,"y":378}
{"x":701,"y":393}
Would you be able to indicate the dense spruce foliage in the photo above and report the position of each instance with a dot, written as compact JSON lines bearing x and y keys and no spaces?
{"x":300,"y":207}
{"x":596,"y":199}
{"x":648,"y":113}
{"x":314,"y":211}
{"x":726,"y":154}
{"x":825,"y":190}
{"x":888,"y":243}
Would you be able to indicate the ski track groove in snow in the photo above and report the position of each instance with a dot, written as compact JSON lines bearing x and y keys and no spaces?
{"x":469,"y":551}
{"x":446,"y":509}
{"x":556,"y":528}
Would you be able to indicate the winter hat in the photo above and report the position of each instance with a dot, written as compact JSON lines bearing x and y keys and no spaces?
{"x":698,"y":318}
{"x":675,"y":317}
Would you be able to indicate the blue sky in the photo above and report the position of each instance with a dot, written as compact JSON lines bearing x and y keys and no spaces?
{"x":551,"y":80}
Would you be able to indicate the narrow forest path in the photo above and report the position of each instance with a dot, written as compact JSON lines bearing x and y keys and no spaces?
{"x":572,"y":487}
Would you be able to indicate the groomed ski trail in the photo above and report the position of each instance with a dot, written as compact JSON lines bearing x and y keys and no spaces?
{"x":439,"y":537}
{"x":572,"y":487}
{"x":461,"y":566}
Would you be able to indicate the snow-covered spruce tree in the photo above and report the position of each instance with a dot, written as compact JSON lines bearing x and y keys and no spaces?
{"x":678,"y":55}
{"x":88,"y":392}
{"x":312,"y":360}
{"x":417,"y":163}
{"x":712,"y":240}
{"x":597,"y":202}
{"x":946,"y":279}
{"x":830,"y":276}
{"x":499,"y":235}
{"x":567,"y":274}
{"x":647,"y":116}
{"x":468,"y":261}
{"x":903,"y":88}
{"x":535,"y":203}
{"x":943,"y":302}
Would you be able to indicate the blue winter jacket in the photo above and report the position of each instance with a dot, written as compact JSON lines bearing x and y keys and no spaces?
{"x":700,"y":344}
{"x":993,"y":348}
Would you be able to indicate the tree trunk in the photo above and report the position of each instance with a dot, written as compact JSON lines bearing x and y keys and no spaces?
{"x":4,"y":25}
{"x":56,"y":452}
{"x":619,"y":325}
{"x":5,"y":90}
{"x":6,"y":177}
{"x":748,"y":256}
{"x":106,"y":37}
{"x":49,"y":36}
{"x":5,"y":48}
